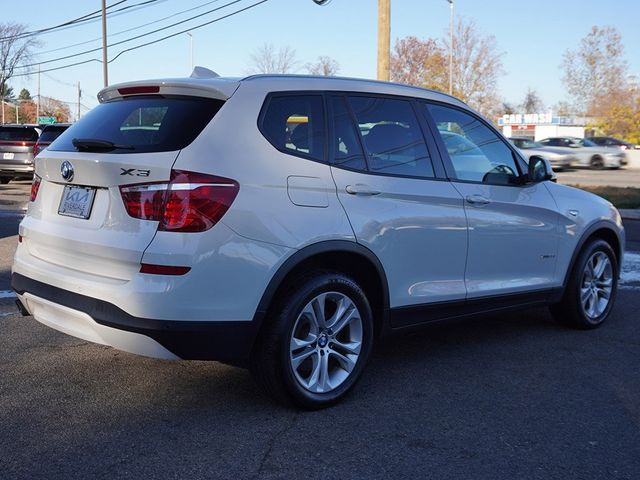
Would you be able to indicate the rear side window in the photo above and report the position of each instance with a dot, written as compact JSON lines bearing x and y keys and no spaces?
{"x":49,"y":134}
{"x":143,"y":124}
{"x":392,"y":137}
{"x":347,"y":151}
{"x":18,"y":134}
{"x":295,"y":125}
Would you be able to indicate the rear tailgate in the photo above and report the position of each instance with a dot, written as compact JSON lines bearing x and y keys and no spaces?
{"x":125,"y":141}
{"x":109,"y":243}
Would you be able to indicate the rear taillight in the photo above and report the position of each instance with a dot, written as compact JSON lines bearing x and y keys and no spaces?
{"x":35,"y":186}
{"x":189,"y":202}
{"x":38,"y":147}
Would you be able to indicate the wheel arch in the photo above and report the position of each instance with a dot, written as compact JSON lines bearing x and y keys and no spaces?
{"x":603,"y":230}
{"x":346,"y":256}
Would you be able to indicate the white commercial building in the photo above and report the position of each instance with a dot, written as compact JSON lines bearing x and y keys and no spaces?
{"x":539,"y":126}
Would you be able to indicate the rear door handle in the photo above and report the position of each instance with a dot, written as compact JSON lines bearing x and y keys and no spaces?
{"x":361,"y":189}
{"x":477,"y":200}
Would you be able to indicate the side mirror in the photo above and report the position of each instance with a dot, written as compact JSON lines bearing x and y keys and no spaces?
{"x":540,"y":170}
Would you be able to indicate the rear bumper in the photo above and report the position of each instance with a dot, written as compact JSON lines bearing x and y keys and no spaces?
{"x":25,"y":169}
{"x":102,"y":322}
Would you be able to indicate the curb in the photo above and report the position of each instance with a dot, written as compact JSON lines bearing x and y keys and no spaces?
{"x":630,"y":213}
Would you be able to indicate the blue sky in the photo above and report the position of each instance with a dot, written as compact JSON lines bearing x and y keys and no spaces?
{"x":533,"y":36}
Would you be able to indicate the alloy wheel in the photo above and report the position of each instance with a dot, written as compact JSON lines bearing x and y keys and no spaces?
{"x":325,"y":343}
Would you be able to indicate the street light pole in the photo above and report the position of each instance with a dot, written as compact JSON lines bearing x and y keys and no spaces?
{"x":105,"y":66}
{"x":191,"y":41}
{"x":451,"y":48}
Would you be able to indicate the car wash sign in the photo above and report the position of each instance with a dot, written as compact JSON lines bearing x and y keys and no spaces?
{"x":526,"y":119}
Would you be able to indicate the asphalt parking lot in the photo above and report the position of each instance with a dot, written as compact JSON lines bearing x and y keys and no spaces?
{"x":504,"y":396}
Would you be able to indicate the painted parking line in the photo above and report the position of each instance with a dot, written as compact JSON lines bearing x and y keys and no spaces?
{"x":7,"y":294}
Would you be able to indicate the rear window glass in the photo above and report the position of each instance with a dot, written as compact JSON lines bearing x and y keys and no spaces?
{"x":9,"y":134}
{"x":143,"y":124}
{"x":49,"y":134}
{"x":295,"y":124}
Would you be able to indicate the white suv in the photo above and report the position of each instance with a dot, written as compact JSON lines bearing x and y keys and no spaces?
{"x":285,"y":222}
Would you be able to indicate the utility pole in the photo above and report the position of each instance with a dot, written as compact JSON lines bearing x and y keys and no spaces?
{"x":384,"y":38}
{"x":79,"y":97}
{"x":105,"y":66}
{"x":2,"y":87}
{"x":38,"y":102}
{"x":450,"y":47}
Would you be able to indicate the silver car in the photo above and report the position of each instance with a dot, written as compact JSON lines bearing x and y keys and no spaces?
{"x":16,"y":151}
{"x":587,"y":153}
{"x":557,"y":157}
{"x":287,"y":223}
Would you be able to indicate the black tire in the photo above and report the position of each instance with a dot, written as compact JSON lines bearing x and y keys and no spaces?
{"x":597,"y":163}
{"x":570,"y":311}
{"x":271,"y":364}
{"x":5,"y":180}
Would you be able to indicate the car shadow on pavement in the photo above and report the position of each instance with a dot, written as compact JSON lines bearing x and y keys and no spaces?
{"x":80,"y":407}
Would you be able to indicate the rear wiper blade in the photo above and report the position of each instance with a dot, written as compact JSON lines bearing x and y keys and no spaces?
{"x":94,"y":144}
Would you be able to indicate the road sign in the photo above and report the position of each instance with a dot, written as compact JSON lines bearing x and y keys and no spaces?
{"x":46,"y":120}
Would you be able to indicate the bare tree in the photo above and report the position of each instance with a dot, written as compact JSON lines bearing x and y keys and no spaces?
{"x":51,"y":107}
{"x":477,"y":65}
{"x":325,"y":66}
{"x":532,"y":102}
{"x":268,"y":59}
{"x":15,"y":49}
{"x":508,"y":108}
{"x":419,"y":62}
{"x":595,"y":73}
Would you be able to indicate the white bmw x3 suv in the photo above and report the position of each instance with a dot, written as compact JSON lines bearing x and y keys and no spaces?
{"x":284,"y":223}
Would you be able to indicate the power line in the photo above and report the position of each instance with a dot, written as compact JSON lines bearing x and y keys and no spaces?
{"x":79,"y":54}
{"x":189,"y":29}
{"x":67,"y":23}
{"x":131,"y":29}
{"x":90,"y":18}
{"x":146,"y":44}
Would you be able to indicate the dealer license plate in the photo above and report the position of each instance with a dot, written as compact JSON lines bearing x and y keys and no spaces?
{"x":77,"y":201}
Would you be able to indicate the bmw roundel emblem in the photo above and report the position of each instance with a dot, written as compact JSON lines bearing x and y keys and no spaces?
{"x":66,"y":170}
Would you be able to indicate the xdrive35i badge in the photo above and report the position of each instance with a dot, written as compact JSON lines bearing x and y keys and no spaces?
{"x":66,"y":170}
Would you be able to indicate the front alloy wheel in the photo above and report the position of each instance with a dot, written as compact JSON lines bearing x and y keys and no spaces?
{"x":597,"y":285}
{"x":591,"y":288}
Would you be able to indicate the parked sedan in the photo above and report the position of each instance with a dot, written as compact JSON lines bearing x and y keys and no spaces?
{"x":612,"y":142}
{"x":587,"y":153}
{"x":557,"y":157}
{"x":16,"y":151}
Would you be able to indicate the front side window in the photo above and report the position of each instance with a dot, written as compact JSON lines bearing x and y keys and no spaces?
{"x":476,"y":152}
{"x":392,"y":136}
{"x":295,"y":124}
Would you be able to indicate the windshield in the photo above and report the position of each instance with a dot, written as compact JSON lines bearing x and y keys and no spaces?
{"x":18,"y":134}
{"x":525,"y":143}
{"x":49,"y":134}
{"x":143,"y":124}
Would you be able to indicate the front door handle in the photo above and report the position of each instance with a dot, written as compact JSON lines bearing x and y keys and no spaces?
{"x":477,"y":200}
{"x":361,"y":189}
